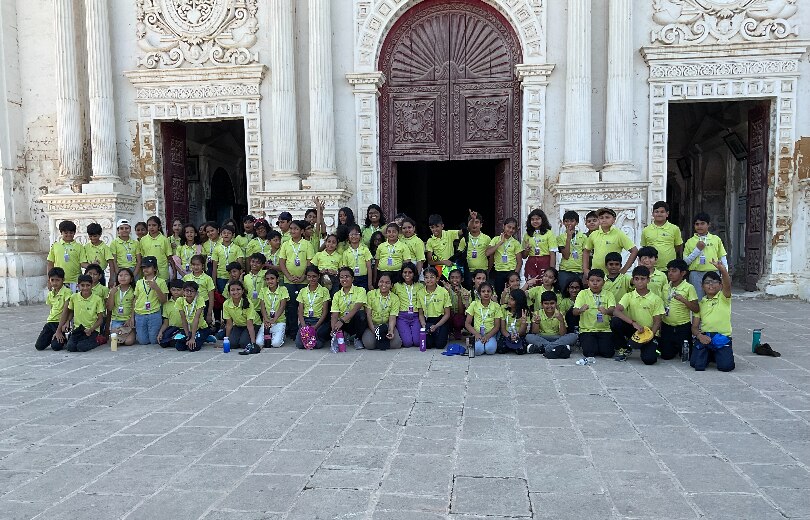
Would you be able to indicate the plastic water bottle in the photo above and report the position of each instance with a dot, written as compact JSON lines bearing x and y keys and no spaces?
{"x":268,"y":338}
{"x":755,"y":339}
{"x":422,"y":339}
{"x":226,"y":345}
{"x":685,"y":351}
{"x":114,"y":341}
{"x":341,"y":341}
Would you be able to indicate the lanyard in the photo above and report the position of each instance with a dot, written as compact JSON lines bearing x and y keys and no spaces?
{"x":190,"y":252}
{"x":356,"y":253}
{"x":121,"y":297}
{"x":274,"y":258}
{"x":385,"y":303}
{"x":597,"y":299}
{"x":227,"y":251}
{"x":484,"y":316}
{"x":146,"y":288}
{"x":263,"y":244}
{"x":511,"y":323}
{"x":391,"y":251}
{"x":535,"y":238}
{"x":193,"y":308}
{"x":432,"y":296}
{"x":671,"y":293}
{"x":211,"y":251}
{"x":126,"y":246}
{"x":273,"y":302}
{"x":348,"y":301}
{"x":311,"y":297}
{"x":409,"y":290}
{"x":294,"y":250}
{"x":474,"y":241}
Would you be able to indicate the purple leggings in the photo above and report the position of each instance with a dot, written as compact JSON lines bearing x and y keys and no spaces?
{"x":408,"y":326}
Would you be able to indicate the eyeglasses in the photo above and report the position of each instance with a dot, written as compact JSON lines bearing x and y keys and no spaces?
{"x":355,"y":234}
{"x":711,"y":282}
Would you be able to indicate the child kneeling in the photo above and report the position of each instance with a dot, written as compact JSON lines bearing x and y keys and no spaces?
{"x":712,"y":326}
{"x":636,"y":311}
{"x":549,"y":329}
{"x":241,"y":321}
{"x":195,"y":328}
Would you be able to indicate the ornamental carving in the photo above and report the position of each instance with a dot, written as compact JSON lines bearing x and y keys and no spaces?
{"x":415,"y":121}
{"x":724,"y":69}
{"x":487,"y":119}
{"x":685,"y":22}
{"x":225,"y":91}
{"x":177,"y":33}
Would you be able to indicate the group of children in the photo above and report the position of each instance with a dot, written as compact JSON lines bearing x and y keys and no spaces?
{"x":380,"y":286}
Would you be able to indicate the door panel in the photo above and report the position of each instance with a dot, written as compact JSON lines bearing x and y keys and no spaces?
{"x":756,"y":205}
{"x":175,"y":185}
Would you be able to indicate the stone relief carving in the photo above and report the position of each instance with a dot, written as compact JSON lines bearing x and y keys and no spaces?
{"x":415,"y":121}
{"x":176,"y":33}
{"x":723,"y":68}
{"x":487,"y":119}
{"x":722,"y":21}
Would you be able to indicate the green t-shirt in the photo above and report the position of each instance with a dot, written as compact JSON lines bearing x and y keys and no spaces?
{"x":382,"y":307}
{"x":56,"y":301}
{"x":224,"y":255}
{"x":190,"y":309}
{"x":642,"y":309}
{"x":442,"y":247}
{"x":356,"y":259}
{"x":313,"y":301}
{"x":342,"y":302}
{"x":204,"y":282}
{"x":416,"y":246}
{"x":433,"y":304}
{"x":408,"y":296}
{"x":146,"y":298}
{"x":272,"y":302}
{"x":476,"y":251}
{"x":601,"y":243}
{"x":675,"y":312}
{"x":540,"y":244}
{"x":97,"y":254}
{"x":505,"y":256}
{"x":664,"y":239}
{"x":390,"y":257}
{"x":125,"y":252}
{"x":715,"y":314}
{"x":237,"y":314}
{"x":485,"y":316}
{"x":589,"y":321}
{"x":68,"y":256}
{"x":296,"y":256}
{"x":85,"y":310}
{"x":572,"y":264}
{"x":160,"y":248}
{"x":123,"y":304}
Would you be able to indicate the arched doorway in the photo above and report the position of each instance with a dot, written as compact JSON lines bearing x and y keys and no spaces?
{"x":450,"y":112}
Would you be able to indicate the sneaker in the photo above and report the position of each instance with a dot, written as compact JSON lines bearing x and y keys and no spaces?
{"x":358,"y":344}
{"x":590,"y":360}
{"x":535,"y":349}
{"x":620,"y":357}
{"x":210,"y":339}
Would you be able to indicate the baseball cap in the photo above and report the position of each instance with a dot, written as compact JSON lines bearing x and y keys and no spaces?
{"x":122,"y":222}
{"x":284,"y":215}
{"x":149,"y":261}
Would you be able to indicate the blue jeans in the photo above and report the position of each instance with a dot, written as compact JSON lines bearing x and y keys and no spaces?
{"x":486,"y":348}
{"x":147,"y":327}
{"x":702,"y":355}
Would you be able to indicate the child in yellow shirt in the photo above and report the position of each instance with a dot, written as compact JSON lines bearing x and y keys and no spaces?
{"x":539,"y":244}
{"x":66,"y":254}
{"x":87,"y":311}
{"x":58,"y":296}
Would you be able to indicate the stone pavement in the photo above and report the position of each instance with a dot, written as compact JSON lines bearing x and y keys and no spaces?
{"x":154,"y":434}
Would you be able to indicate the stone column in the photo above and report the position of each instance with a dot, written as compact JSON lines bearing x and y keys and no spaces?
{"x":69,"y":131}
{"x":102,"y":105}
{"x":323,"y":171}
{"x":577,"y":165}
{"x":283,"y":122}
{"x":366,"y":92}
{"x":619,"y":124}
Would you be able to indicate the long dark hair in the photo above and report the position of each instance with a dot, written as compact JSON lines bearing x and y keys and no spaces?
{"x":520,"y":302}
{"x":382,"y":215}
{"x":544,"y":224}
{"x":245,"y":302}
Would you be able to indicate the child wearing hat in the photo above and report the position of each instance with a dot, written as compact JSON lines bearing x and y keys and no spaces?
{"x":712,"y":325}
{"x":638,"y":311}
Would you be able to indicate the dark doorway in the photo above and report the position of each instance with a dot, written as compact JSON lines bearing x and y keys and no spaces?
{"x":449,"y":188}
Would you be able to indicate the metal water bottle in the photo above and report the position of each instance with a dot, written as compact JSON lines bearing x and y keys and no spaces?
{"x":114,"y":341}
{"x":226,"y":345}
{"x":341,"y":341}
{"x":755,"y":339}
{"x":422,"y":339}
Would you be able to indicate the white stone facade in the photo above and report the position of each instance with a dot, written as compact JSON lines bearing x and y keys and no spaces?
{"x":85,"y":85}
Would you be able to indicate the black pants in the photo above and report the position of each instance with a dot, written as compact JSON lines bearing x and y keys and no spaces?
{"x":437,"y":339}
{"x":499,"y":281}
{"x":596,"y":344}
{"x":240,"y":337}
{"x":623,"y":331}
{"x":291,"y":311}
{"x":79,"y":341}
{"x":199,"y":340}
{"x":167,"y":339}
{"x":46,"y":338}
{"x":356,"y":325}
{"x":672,"y":338}
{"x":571,"y":320}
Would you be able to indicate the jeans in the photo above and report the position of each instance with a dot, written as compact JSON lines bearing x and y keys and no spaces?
{"x":199,"y":340}
{"x":672,"y":338}
{"x":276,"y":335}
{"x":486,"y":348}
{"x":322,"y":333}
{"x":597,"y":344}
{"x":240,"y":336}
{"x":702,"y":355}
{"x":167,"y":338}
{"x":291,"y":312}
{"x":408,"y":326}
{"x":437,"y":339}
{"x":147,"y":327}
{"x":46,"y":338}
{"x":549,"y":342}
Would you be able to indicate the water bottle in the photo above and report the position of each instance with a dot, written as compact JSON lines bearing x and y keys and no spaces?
{"x":341,"y":341}
{"x":755,"y":339}
{"x":422,"y":339}
{"x":268,"y":338}
{"x":226,"y":345}
{"x":685,"y":351}
{"x":471,"y":347}
{"x":114,"y":341}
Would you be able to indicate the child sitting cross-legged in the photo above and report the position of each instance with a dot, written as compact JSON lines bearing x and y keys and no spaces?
{"x":549,"y":329}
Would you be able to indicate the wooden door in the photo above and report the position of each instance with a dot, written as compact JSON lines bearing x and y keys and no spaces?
{"x":451,"y":93}
{"x":756,"y":205}
{"x":175,"y":185}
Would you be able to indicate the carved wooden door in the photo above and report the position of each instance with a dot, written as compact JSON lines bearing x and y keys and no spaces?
{"x":450,"y":92}
{"x":756,"y":205}
{"x":175,"y":185}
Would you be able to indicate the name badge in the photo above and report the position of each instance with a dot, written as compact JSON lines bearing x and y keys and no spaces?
{"x":148,"y":306}
{"x":410,"y":309}
{"x":311,"y":313}
{"x":67,"y":257}
{"x":600,"y":317}
{"x":537,"y":250}
{"x":129,"y":257}
{"x":357,"y":271}
{"x":120,"y":310}
{"x":575,"y":255}
{"x":504,"y":259}
{"x":702,"y":260}
{"x":390,"y":261}
{"x":255,"y":294}
{"x":483,"y":330}
{"x":297,"y":262}
{"x":474,"y":254}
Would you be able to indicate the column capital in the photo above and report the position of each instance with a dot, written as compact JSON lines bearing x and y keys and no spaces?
{"x":365,"y":81}
{"x":536,"y":74}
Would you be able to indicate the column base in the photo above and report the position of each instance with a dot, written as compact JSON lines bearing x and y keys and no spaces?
{"x":23,"y":278}
{"x":328,"y":181}
{"x":620,"y":172}
{"x":283,"y":181}
{"x":298,"y":201}
{"x":105,"y":208}
{"x":106,"y":187}
{"x":578,"y":174}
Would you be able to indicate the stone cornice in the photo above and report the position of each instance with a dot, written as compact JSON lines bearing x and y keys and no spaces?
{"x":789,"y":49}
{"x":535,"y":73}
{"x":250,"y":74}
{"x":376,"y":78}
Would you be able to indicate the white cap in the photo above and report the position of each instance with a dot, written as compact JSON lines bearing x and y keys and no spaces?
{"x":122,"y":222}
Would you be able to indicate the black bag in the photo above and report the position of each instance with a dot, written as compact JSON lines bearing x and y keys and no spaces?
{"x":558,"y":352}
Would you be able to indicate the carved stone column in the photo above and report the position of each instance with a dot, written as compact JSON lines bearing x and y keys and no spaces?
{"x":102,"y":105}
{"x":69,"y":130}
{"x":577,"y":165}
{"x":366,"y":92}
{"x":284,"y":121}
{"x":619,"y":126}
{"x":323,"y":171}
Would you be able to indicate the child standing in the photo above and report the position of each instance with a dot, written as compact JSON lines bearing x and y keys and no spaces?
{"x":357,"y":257}
{"x":374,"y":223}
{"x":150,"y":294}
{"x":156,"y":245}
{"x":414,"y":243}
{"x":712,"y":325}
{"x":393,"y":252}
{"x":347,"y":308}
{"x":549,"y":329}
{"x":571,"y":243}
{"x":434,"y":312}
{"x":241,"y":320}
{"x":224,"y":254}
{"x":680,"y":300}
{"x":186,"y":250}
{"x":407,"y":292}
{"x":484,"y":321}
{"x":636,"y":311}
{"x":539,"y":244}
{"x":506,"y":253}
{"x":594,"y":306}
{"x":328,"y":263}
{"x":66,"y":254}
{"x":56,"y":299}
{"x":439,"y":247}
{"x":126,"y":251}
{"x":474,"y":247}
{"x":704,"y":250}
{"x":313,"y":309}
{"x":382,"y":307}
{"x":284,"y":222}
{"x":616,"y":282}
{"x":607,"y":239}
{"x":460,"y":299}
{"x":295,"y":256}
{"x":272,"y":302}
{"x":87,"y":311}
{"x":663,"y":235}
{"x":97,"y":252}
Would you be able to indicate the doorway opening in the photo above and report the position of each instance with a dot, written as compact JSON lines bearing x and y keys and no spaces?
{"x":718,"y":163}
{"x":204,"y":170}
{"x":449,"y":188}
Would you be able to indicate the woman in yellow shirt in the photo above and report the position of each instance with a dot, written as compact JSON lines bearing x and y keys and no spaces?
{"x":347,"y":308}
{"x":539,"y":244}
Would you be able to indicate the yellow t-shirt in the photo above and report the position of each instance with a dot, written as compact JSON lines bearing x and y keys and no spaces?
{"x":535,"y":293}
{"x":301,"y":252}
{"x":68,"y":256}
{"x":664,"y":239}
{"x":123,"y":303}
{"x":285,"y":237}
{"x":342,"y":303}
{"x":313,"y":301}
{"x":573,"y":264}
{"x":408,"y":296}
{"x":324,"y":260}
{"x":463,"y":295}
{"x":185,"y":252}
{"x":565,"y":305}
{"x":505,"y":256}
{"x":238,"y":315}
{"x":622,"y":285}
{"x":208,"y":247}
{"x":549,"y":325}
{"x":658,"y":283}
{"x":390,"y":257}
{"x":146,"y":299}
{"x":382,"y":308}
{"x":254,"y":283}
{"x":713,"y":252}
{"x":588,"y":321}
{"x":675,"y":312}
{"x":272,"y":302}
{"x":85,"y":310}
{"x":102,"y":291}
{"x":416,"y":246}
{"x":642,"y":309}
{"x":99,"y":254}
{"x":257,"y":245}
{"x":224,"y":255}
{"x":433,"y":304}
{"x":715,"y":314}
{"x":540,"y":244}
{"x":125,"y":252}
{"x":442,"y":247}
{"x":370,"y":230}
{"x":485,"y":316}
{"x":242,"y":240}
{"x":204,"y":282}
{"x":160,"y":248}
{"x":601,"y":243}
{"x":56,"y":301}
{"x":476,"y":251}
{"x":171,"y":312}
{"x":190,"y":309}
{"x":356,"y":259}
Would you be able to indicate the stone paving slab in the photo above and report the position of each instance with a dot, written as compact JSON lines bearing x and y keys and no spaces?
{"x":288,"y":434}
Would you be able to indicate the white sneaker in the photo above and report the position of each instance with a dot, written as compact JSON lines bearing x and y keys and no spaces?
{"x":358,"y":344}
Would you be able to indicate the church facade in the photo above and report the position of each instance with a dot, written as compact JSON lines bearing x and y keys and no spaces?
{"x":206,"y":109}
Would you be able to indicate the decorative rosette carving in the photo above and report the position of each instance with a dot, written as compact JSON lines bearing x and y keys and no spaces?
{"x":177,"y":33}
